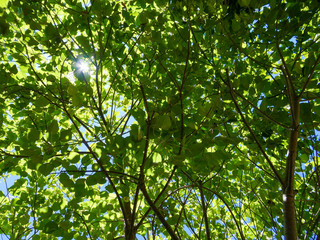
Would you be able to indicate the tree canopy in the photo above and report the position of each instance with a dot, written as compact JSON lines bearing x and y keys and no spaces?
{"x":156,"y":119}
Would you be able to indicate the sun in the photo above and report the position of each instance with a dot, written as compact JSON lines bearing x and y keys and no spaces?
{"x":83,"y":66}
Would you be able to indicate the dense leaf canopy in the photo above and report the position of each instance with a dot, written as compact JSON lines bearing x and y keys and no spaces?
{"x":159,"y":119}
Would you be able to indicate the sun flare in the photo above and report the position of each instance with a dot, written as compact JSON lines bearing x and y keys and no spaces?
{"x":83,"y":66}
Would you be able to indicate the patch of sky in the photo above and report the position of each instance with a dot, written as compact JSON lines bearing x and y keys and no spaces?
{"x":252,"y":25}
{"x":86,"y":4}
{"x":6,"y":182}
{"x":293,"y":40}
{"x":262,"y":96}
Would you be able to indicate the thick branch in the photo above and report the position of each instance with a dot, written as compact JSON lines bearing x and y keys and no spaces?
{"x":204,"y":210}
{"x":157,"y":212}
{"x":158,"y":197}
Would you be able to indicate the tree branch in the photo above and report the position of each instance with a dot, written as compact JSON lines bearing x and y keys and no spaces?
{"x":309,"y":77}
{"x":204,"y":210}
{"x":260,"y":111}
{"x":251,"y":131}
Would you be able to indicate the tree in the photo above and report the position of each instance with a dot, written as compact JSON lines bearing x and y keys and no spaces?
{"x":160,"y":119}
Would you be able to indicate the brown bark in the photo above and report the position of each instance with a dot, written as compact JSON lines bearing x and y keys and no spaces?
{"x":130,"y":234}
{"x":130,"y":231}
{"x":157,"y":212}
{"x":289,"y":217}
{"x":288,"y":194}
{"x":204,"y":210}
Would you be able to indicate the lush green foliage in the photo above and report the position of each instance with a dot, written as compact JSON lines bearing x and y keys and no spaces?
{"x":180,"y":129}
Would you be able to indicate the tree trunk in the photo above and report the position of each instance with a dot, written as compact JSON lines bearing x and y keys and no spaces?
{"x":130,"y":233}
{"x":290,"y":228}
{"x":129,"y":229}
{"x":289,"y":217}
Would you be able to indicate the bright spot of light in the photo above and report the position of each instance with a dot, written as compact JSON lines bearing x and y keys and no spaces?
{"x":284,"y":197}
{"x":83,"y":66}
{"x":70,"y":77}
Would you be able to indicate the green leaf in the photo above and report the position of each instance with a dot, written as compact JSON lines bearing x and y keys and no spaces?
{"x":4,"y":26}
{"x":35,"y":25}
{"x":84,"y":42}
{"x":33,"y":135}
{"x":65,"y":180}
{"x":53,"y":128}
{"x":156,"y":36}
{"x":14,"y":69}
{"x":163,"y":122}
{"x":205,"y":109}
{"x":74,"y":157}
{"x":33,"y":42}
{"x":195,"y":149}
{"x":46,"y":169}
{"x":45,"y":212}
{"x":178,"y":160}
{"x":50,"y":227}
{"x":96,"y":178}
{"x":236,"y":26}
{"x":77,"y":100}
{"x":36,"y":158}
{"x":306,"y":114}
{"x":41,"y":102}
{"x":4,"y":3}
{"x":216,"y":158}
{"x":157,"y":158}
{"x":244,"y":3}
{"x":72,"y":90}
{"x":308,"y":65}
